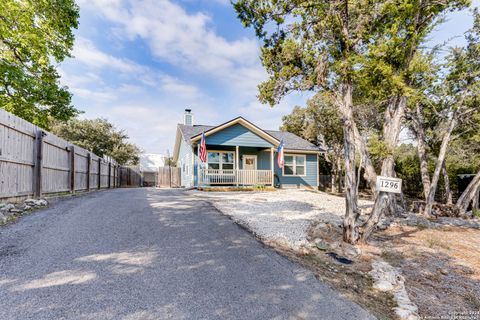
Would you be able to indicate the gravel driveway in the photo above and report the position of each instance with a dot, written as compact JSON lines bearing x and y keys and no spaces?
{"x":282,"y":216}
{"x":151,"y":254}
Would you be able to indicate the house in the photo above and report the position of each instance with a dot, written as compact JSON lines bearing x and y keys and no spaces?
{"x":240,"y":153}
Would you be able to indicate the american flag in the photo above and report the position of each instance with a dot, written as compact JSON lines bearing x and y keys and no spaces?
{"x":280,"y":154}
{"x":203,"y":149}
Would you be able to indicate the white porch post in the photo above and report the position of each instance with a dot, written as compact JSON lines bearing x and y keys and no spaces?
{"x":272,"y":166}
{"x":237,"y":163}
{"x":198,"y":165}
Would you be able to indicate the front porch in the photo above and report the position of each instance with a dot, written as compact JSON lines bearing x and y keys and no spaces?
{"x":209,"y":177}
{"x":235,"y":166}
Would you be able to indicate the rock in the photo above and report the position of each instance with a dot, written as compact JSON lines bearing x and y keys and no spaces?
{"x":320,"y":244}
{"x":444,"y":271}
{"x":387,"y":278}
{"x":350,"y":250}
{"x":7,"y":207}
{"x":2,"y":217}
{"x":27,"y":207}
{"x":321,"y":225}
{"x":13,"y":211}
{"x":384,"y":285}
{"x":41,"y":203}
{"x":36,"y":203}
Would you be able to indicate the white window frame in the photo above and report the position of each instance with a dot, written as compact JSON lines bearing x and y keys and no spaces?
{"x":295,"y":165}
{"x":220,"y":163}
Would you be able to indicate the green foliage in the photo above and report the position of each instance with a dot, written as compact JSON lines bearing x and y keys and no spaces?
{"x":476,"y":213}
{"x":34,"y":36}
{"x":100,"y":137}
{"x":407,"y":168}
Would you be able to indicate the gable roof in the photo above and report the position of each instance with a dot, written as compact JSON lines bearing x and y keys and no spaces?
{"x":291,"y":141}
{"x":242,"y":121}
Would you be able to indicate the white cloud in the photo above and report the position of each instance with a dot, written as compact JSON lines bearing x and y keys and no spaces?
{"x":181,"y":38}
{"x":85,"y":52}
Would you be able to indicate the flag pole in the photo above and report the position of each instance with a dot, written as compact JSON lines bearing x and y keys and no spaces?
{"x":198,"y":165}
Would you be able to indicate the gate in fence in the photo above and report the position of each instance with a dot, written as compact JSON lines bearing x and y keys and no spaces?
{"x":169,"y":177}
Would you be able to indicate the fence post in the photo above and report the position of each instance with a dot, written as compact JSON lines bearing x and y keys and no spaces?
{"x":72,"y":169}
{"x":37,"y":173}
{"x":99,"y":180}
{"x":89,"y":161}
{"x":109,"y":174}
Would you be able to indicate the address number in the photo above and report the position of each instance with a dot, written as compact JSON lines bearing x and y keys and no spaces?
{"x":388,"y":184}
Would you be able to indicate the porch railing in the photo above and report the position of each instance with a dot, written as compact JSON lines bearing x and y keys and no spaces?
{"x":235,"y":177}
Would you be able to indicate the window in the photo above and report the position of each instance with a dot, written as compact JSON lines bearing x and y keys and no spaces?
{"x":221,"y":160}
{"x":294,"y":165}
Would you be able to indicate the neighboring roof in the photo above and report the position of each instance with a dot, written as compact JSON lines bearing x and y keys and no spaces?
{"x":150,"y":162}
{"x":291,"y":141}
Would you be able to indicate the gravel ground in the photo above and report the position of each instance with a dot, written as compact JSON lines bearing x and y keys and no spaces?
{"x":151,"y":254}
{"x":282,"y":216}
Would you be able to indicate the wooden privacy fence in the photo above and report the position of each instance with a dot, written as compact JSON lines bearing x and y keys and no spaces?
{"x":34,"y":162}
{"x":130,"y":177}
{"x":169,"y":177}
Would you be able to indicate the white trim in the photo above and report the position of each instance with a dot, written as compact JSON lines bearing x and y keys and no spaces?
{"x":220,"y":163}
{"x":176,"y":148}
{"x":249,"y":155}
{"x":302,"y":151}
{"x":294,"y":155}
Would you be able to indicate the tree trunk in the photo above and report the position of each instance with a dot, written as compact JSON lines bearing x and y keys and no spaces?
{"x":438,"y":167}
{"x":339,"y":176}
{"x":446,"y":182}
{"x":476,"y":200}
{"x":350,"y":231}
{"x":470,"y":192}
{"x":333,"y":181}
{"x":418,"y":124}
{"x":369,"y":171}
{"x":391,"y":130}
{"x":359,"y":172}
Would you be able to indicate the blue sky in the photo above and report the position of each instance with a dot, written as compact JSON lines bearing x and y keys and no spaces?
{"x":140,"y":63}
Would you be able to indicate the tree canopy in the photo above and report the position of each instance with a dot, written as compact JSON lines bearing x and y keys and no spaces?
{"x":34,"y":36}
{"x":362,"y":55}
{"x":100,"y":137}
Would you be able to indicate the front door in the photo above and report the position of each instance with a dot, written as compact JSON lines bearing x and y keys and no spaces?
{"x":249,"y":162}
{"x":248,"y":175}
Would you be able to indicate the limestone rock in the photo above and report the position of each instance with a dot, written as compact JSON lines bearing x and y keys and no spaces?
{"x":7,"y":207}
{"x":387,"y":278}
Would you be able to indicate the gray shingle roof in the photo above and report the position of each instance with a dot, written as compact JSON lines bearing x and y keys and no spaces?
{"x":290,"y":140}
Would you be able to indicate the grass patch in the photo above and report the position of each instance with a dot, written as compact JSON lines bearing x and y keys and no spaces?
{"x":433,"y":243}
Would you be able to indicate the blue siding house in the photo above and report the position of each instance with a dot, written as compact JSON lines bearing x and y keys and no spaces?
{"x":240,"y":154}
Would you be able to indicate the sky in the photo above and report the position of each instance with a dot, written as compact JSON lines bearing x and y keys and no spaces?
{"x":140,"y":63}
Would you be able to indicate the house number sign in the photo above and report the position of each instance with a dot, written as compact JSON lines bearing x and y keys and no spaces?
{"x":388,"y":184}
